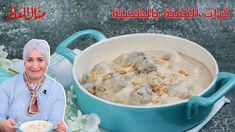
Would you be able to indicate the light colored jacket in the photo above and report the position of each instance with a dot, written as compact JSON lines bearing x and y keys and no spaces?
{"x":15,"y":98}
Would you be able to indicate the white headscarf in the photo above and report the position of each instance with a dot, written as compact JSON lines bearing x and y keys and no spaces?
{"x":41,"y":45}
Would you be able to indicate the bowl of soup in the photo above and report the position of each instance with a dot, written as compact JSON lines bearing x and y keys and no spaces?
{"x":145,"y":82}
{"x":36,"y":126}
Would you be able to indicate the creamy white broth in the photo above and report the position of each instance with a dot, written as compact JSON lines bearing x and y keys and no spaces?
{"x":36,"y":126}
{"x":147,"y":78}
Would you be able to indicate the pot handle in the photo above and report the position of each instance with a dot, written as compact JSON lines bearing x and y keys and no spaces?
{"x":3,"y":75}
{"x":69,"y":54}
{"x":228,"y":82}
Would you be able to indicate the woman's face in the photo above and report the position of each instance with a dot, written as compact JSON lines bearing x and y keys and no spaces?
{"x":35,"y":65}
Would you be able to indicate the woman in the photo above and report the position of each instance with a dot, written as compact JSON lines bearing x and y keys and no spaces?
{"x":32,"y":95}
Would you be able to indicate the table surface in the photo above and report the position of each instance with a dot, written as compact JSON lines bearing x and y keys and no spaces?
{"x":64,"y":18}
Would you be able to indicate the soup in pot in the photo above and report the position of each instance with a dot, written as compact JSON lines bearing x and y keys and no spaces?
{"x":147,"y":78}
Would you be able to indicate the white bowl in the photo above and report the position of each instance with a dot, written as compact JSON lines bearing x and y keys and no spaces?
{"x":36,"y":126}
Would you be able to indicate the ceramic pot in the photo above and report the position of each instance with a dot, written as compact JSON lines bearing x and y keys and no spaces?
{"x":179,"y":116}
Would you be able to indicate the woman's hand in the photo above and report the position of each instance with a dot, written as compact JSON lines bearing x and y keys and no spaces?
{"x":7,"y":125}
{"x":61,"y":127}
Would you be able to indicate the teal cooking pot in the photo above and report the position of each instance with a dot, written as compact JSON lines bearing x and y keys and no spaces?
{"x":179,"y":116}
